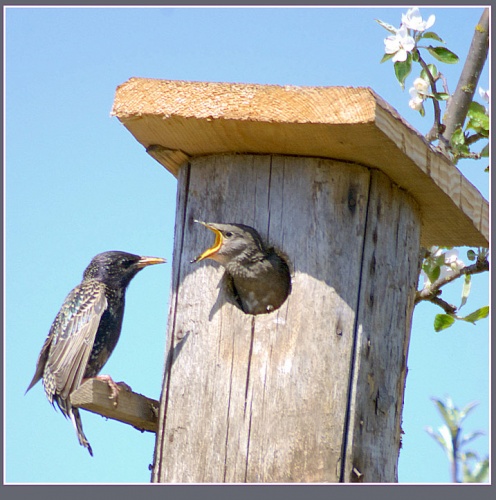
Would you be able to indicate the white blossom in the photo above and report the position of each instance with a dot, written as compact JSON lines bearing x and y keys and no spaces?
{"x":413,"y":20}
{"x":417,"y":101}
{"x":452,"y":263}
{"x":421,"y":85}
{"x":418,"y":93}
{"x":399,"y":44}
{"x":484,"y":94}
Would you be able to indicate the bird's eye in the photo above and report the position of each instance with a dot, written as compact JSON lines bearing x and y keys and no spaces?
{"x":126,"y":264}
{"x":228,"y":234}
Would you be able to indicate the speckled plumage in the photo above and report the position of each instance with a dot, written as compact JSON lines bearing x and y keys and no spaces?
{"x":260,"y":277}
{"x":86,"y":330}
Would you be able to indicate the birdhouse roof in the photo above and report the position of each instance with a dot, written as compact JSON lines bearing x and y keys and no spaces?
{"x":177,"y":120}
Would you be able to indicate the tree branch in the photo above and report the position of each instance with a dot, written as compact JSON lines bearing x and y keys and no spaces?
{"x":437,"y":129}
{"x":445,"y":83}
{"x":457,"y":108}
{"x":448,"y":308}
{"x":454,"y":457}
{"x":474,"y":138}
{"x":432,"y":292}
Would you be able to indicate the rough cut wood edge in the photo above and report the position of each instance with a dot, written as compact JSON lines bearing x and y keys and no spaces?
{"x":132,"y":408}
{"x":243,"y":101}
{"x":175,"y":120}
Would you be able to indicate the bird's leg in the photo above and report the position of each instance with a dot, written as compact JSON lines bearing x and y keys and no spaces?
{"x":115,"y":387}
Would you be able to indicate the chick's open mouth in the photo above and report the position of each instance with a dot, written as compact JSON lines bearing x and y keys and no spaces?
{"x":215,"y":247}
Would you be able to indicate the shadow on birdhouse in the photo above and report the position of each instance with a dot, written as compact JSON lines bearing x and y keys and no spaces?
{"x":257,"y":278}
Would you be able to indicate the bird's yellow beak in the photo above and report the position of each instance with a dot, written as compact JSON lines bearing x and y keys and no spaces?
{"x":215,"y":247}
{"x":149,"y":261}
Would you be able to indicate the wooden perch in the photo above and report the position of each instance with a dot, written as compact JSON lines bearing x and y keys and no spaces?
{"x":132,"y":408}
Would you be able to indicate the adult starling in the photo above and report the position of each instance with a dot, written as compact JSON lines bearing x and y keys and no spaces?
{"x":260,"y":277}
{"x":85,"y":331}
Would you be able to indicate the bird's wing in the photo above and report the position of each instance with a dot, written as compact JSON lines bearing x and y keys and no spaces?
{"x":73,"y":340}
{"x":42,"y":359}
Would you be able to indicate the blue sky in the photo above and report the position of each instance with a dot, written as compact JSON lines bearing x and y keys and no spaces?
{"x":77,"y":183}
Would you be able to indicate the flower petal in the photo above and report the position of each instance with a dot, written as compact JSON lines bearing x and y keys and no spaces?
{"x":421,"y":85}
{"x":391,"y":45}
{"x":400,"y":56}
{"x":408,"y":43}
{"x":430,"y":21}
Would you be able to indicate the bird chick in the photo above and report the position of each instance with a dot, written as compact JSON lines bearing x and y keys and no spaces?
{"x":260,"y":277}
{"x":86,"y":330}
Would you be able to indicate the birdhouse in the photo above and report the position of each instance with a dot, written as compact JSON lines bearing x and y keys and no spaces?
{"x":348,"y":192}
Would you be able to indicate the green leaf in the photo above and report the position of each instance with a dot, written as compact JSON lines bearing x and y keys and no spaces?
{"x":457,"y":138}
{"x":462,"y":151}
{"x":448,"y":412}
{"x":478,"y":119}
{"x":443,"y":321}
{"x":481,"y":313}
{"x":431,"y":269}
{"x":437,"y":437}
{"x":458,"y":142}
{"x":387,"y":26}
{"x":432,"y":69}
{"x":468,"y":409}
{"x":471,"y":255}
{"x":469,"y":455}
{"x":402,"y":69}
{"x":466,"y":289}
{"x":470,"y":437}
{"x":386,"y":57}
{"x":480,"y":125}
{"x":485,"y":154}
{"x":432,"y":35}
{"x":480,"y":473}
{"x":476,"y":108}
{"x":448,"y":439}
{"x":442,"y":96}
{"x":443,"y":409}
{"x":442,"y":54}
{"x":432,"y":265}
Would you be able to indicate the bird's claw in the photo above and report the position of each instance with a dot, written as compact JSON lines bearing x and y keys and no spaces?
{"x":114,"y":387}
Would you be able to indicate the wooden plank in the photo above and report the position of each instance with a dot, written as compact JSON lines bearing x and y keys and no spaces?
{"x":351,"y":124}
{"x":387,"y":291}
{"x":214,"y":337}
{"x":298,"y":396}
{"x":132,"y":408}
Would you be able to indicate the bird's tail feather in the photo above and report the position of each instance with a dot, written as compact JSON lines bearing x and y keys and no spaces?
{"x":78,"y":425}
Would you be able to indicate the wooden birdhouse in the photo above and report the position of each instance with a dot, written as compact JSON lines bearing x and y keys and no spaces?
{"x":335,"y":179}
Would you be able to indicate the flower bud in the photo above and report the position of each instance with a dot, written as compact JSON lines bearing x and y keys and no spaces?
{"x":421,"y":85}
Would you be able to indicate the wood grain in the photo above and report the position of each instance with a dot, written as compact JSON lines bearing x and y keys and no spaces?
{"x":132,"y":408}
{"x":390,"y":270}
{"x":189,"y":119}
{"x":272,"y":398}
